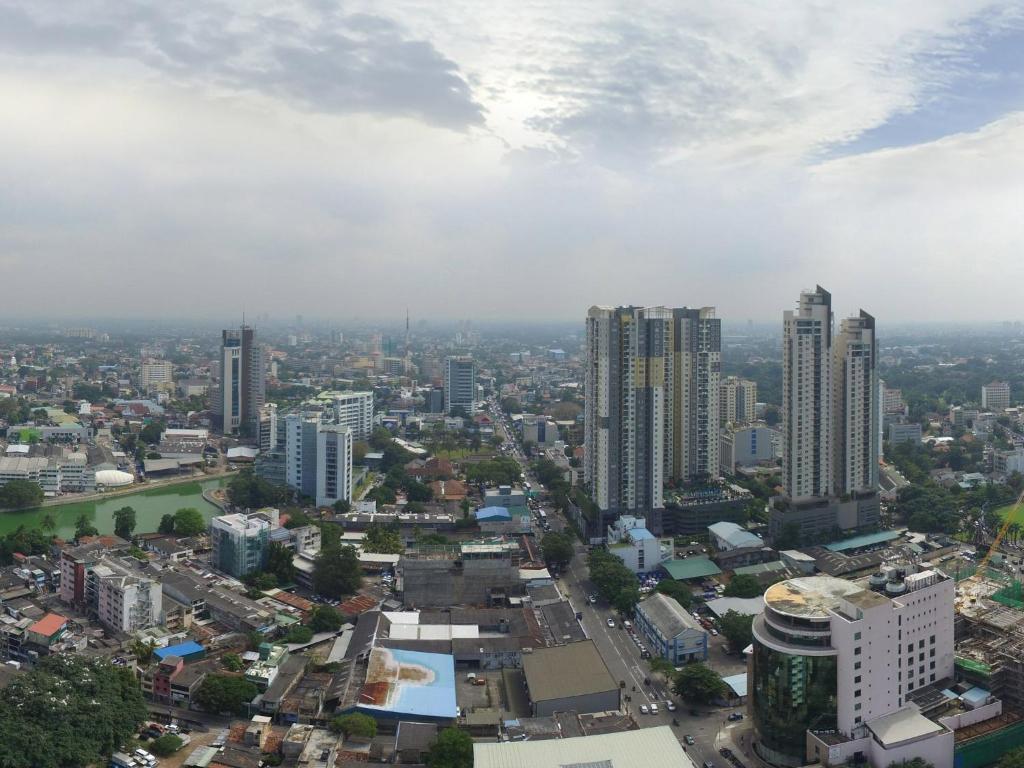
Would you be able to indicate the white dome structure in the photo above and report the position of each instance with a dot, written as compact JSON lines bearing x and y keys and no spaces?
{"x":113,"y":478}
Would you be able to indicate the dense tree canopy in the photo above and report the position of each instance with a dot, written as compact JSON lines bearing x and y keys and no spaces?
{"x":225,"y":693}
{"x":699,"y":683}
{"x":743,"y":585}
{"x":557,"y":549}
{"x":383,"y":539}
{"x":166,"y":745}
{"x":614,"y":581}
{"x":355,"y":724}
{"x":452,"y":749}
{"x":735,"y":627}
{"x":501,"y":470}
{"x":19,"y":494}
{"x":151,"y":433}
{"x":336,"y":571}
{"x":248,"y":491}
{"x":325,"y":619}
{"x":67,"y":712}
{"x":84,"y":527}
{"x":166,"y":524}
{"x":189,"y":521}
{"x":677,"y":590}
{"x":280,"y":562}
{"x":124,"y":522}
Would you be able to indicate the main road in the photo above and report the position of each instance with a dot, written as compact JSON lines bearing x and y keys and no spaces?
{"x":709,"y":727}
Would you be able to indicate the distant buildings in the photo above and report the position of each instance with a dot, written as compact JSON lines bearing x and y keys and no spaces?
{"x":995,"y":396}
{"x":747,"y":446}
{"x":242,"y":382}
{"x":460,"y":384}
{"x":904,"y":433}
{"x":736,"y":400}
{"x":652,"y":405}
{"x":156,"y":374}
{"x":266,"y":427}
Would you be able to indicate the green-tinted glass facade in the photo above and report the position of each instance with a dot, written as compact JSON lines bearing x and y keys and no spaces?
{"x":792,"y":693}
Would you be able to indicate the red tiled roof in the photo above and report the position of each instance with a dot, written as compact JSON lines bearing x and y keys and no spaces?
{"x":49,"y":625}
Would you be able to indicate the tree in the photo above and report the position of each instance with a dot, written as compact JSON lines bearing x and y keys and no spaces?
{"x":124,"y":522}
{"x":68,"y":711}
{"x":920,"y":762}
{"x":789,"y":537}
{"x":280,"y":562}
{"x":189,"y":522}
{"x":355,"y":724}
{"x":614,"y":581}
{"x":383,"y":539}
{"x":336,"y":571}
{"x":699,"y":683}
{"x":382,"y":494}
{"x":232,"y":662}
{"x":166,"y":524}
{"x":663,"y":667}
{"x":48,"y":523}
{"x":225,"y":693}
{"x":557,"y":549}
{"x":249,"y":491}
{"x":299,"y":634}
{"x":342,"y":506}
{"x":325,"y":619}
{"x":166,"y":745}
{"x":1012,"y":759}
{"x":677,"y":591}
{"x":743,"y":585}
{"x":451,"y":749}
{"x":736,"y":629}
{"x":19,"y":494}
{"x":84,"y":527}
{"x":150,"y":433}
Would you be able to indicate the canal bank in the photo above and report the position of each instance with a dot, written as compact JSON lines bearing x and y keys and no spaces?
{"x":150,"y":505}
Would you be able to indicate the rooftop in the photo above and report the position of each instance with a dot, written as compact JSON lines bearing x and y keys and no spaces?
{"x":576,"y":669}
{"x":648,"y":748}
{"x":49,"y":625}
{"x":690,"y":568}
{"x":811,"y":596}
{"x":867,"y":540}
{"x":903,"y":726}
{"x":667,"y":615}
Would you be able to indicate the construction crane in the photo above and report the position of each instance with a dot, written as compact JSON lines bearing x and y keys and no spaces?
{"x":1007,"y":522}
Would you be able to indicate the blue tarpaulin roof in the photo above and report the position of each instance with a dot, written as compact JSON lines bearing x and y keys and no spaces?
{"x":182,"y":649}
{"x":493,"y":513}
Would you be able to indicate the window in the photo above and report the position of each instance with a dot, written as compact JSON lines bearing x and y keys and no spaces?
{"x":920,"y":657}
{"x":933,"y":677}
{"x":856,"y":665}
{"x":932,"y":665}
{"x":856,"y":651}
{"x":910,"y":687}
{"x":910,"y":647}
{"x":931,"y":640}
{"x":856,"y":707}
{"x":920,"y":644}
{"x":856,"y":679}
{"x":931,"y":653}
{"x":856,"y":694}
{"x":856,"y":635}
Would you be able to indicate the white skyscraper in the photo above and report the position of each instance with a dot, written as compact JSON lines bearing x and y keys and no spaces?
{"x":333,"y":464}
{"x":856,"y":407}
{"x":460,"y":384}
{"x":807,"y":461}
{"x":353,"y":410}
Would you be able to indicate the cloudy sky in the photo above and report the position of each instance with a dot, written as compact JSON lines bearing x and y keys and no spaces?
{"x":492,"y":159}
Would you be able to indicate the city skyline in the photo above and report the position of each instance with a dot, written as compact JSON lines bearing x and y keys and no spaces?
{"x":731,"y":156}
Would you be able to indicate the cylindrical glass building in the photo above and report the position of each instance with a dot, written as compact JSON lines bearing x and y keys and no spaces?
{"x":793,"y":667}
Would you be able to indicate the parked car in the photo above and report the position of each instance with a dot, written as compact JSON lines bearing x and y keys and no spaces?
{"x":735,"y":716}
{"x":611,"y":623}
{"x":671,"y":706}
{"x":643,"y":709}
{"x":654,"y":708}
{"x":688,"y":739}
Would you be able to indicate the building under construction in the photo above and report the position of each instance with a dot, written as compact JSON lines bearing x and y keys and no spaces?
{"x":484,"y":574}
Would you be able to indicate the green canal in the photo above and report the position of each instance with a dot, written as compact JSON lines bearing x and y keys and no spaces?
{"x":149,"y":505}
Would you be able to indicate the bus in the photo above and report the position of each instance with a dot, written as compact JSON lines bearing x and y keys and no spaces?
{"x":543,"y":515}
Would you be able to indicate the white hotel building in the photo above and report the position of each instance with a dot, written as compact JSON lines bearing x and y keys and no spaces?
{"x":835,"y":665}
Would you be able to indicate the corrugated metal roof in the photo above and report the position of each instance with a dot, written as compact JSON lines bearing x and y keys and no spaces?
{"x":647,"y":748}
{"x":690,"y":568}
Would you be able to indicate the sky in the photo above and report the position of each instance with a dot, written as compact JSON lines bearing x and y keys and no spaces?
{"x":500,"y":160}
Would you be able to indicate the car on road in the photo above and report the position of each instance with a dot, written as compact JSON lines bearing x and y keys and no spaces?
{"x":688,"y":739}
{"x":735,"y":716}
{"x":708,"y":764}
{"x":725,"y":752}
{"x":611,"y":623}
{"x":643,"y":709}
{"x":671,"y":706}
{"x":627,"y":624}
{"x":654,"y":708}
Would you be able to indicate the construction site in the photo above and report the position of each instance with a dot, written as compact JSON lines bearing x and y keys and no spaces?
{"x":990,"y":650}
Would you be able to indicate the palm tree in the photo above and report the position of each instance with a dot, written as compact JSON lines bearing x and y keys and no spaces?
{"x":48,"y":523}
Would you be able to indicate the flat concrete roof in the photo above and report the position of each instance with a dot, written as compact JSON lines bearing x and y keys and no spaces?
{"x":647,"y":748}
{"x":903,"y":726}
{"x":811,"y":596}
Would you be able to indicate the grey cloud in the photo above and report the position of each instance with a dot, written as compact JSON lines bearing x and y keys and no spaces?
{"x":333,"y":62}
